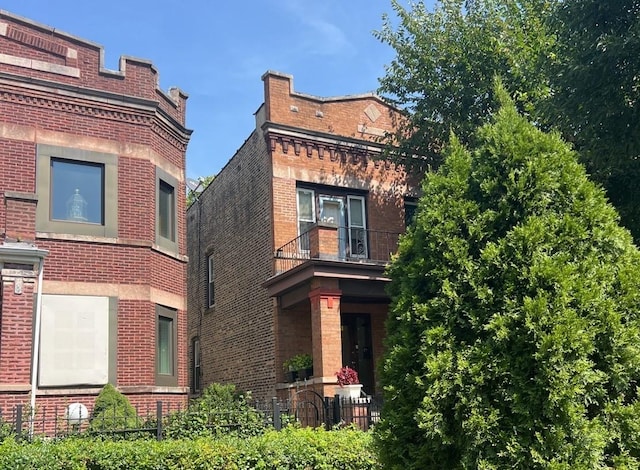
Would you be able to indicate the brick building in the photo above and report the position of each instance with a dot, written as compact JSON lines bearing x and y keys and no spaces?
{"x":91,"y":191}
{"x":287,"y":246}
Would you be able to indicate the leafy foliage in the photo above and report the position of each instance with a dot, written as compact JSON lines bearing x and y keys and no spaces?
{"x":6,"y":429}
{"x":113,"y":411}
{"x":219,"y":410}
{"x":446,"y":62}
{"x":297,"y":362}
{"x":514,"y":334}
{"x":291,"y":448}
{"x":204,"y":181}
{"x":596,"y":95}
{"x":572,"y":64}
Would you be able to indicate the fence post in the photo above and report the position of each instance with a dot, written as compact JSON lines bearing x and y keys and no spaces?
{"x":336,"y":409}
{"x":159,"y":420}
{"x":327,"y":416}
{"x":277,"y":419}
{"x":19,"y":421}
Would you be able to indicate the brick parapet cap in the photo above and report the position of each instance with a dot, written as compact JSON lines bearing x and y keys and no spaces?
{"x":61,"y":44}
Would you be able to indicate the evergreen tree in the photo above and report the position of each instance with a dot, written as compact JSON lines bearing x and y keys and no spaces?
{"x":513,"y":335}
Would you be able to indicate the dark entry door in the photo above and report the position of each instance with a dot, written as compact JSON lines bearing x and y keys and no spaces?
{"x":356,"y":347}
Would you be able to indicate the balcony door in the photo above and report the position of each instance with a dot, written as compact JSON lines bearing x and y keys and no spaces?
{"x":357,"y":228}
{"x":332,"y":212}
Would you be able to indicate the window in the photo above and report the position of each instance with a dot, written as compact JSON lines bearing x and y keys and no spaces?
{"x":410,"y":209}
{"x":210,"y":282}
{"x":166,"y":214}
{"x":166,"y":210}
{"x":195,"y":365}
{"x":77,"y":192}
{"x":77,"y":344}
{"x":306,"y":215}
{"x":332,"y":206}
{"x":357,"y":227}
{"x":166,"y":344}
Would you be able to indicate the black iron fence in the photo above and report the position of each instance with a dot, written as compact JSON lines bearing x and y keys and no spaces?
{"x":307,"y":409}
{"x":360,"y":245}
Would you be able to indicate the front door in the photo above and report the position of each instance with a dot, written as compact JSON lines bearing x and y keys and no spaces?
{"x":356,"y":348}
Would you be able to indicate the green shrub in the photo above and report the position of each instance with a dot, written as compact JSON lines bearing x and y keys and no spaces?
{"x":113,"y":411}
{"x":514,"y":332}
{"x":301,"y":449}
{"x":219,"y":410}
{"x":6,"y":429}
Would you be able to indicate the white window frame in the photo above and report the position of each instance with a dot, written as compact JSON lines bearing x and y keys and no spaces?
{"x":313,"y":212}
{"x":352,"y":227}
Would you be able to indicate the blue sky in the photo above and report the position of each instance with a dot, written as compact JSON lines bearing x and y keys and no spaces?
{"x":217,"y":50}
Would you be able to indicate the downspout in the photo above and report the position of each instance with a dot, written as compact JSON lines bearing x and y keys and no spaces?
{"x":36,"y":347}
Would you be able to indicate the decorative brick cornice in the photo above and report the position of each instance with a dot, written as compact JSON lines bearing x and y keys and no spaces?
{"x":330,"y":147}
{"x":169,"y":133}
{"x":75,"y":107}
{"x":158,"y":123}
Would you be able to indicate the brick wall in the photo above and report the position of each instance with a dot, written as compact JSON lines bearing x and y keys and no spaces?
{"x":56,"y":92}
{"x":237,"y":337}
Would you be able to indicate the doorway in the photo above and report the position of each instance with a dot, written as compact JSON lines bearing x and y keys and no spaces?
{"x":356,"y":348}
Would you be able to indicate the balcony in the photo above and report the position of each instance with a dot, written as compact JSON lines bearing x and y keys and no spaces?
{"x":332,"y":243}
{"x":356,"y":257}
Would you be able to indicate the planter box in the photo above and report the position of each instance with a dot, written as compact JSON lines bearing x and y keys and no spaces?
{"x":304,"y":374}
{"x":349,"y":392}
{"x":291,"y":376}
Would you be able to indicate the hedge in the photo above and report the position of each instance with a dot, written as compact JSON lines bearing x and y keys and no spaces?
{"x":291,"y":448}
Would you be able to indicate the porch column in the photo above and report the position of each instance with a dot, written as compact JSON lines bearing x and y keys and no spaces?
{"x":326,"y":337}
{"x":16,"y":333}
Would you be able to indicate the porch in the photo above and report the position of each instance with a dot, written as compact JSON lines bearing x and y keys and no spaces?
{"x":329,"y":287}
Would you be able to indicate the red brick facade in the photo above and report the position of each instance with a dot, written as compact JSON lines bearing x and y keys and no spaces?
{"x":61,"y":108}
{"x":322,"y":297}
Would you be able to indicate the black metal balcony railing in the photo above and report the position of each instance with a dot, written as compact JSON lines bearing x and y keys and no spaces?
{"x":352,"y":244}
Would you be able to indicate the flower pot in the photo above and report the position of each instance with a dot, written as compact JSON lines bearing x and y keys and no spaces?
{"x":291,"y":375}
{"x":349,"y":392}
{"x":304,"y":374}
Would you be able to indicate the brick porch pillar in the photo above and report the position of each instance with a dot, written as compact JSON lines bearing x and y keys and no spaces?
{"x":16,"y":332}
{"x":326,"y":337}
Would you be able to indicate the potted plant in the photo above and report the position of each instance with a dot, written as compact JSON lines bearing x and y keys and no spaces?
{"x":349,"y":383}
{"x":304,"y":364}
{"x":290,"y":370}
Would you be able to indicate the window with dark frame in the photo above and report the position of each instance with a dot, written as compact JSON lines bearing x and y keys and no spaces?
{"x":166,"y":210}
{"x":166,"y":346}
{"x":410,"y":210}
{"x":211,"y":275}
{"x":195,"y":366}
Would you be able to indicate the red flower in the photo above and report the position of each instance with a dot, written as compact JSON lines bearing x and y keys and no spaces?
{"x":347,"y":376}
